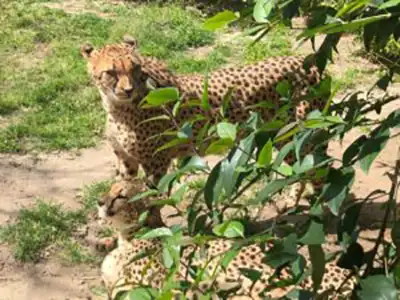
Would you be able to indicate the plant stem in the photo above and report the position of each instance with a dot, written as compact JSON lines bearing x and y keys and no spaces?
{"x":391,"y":204}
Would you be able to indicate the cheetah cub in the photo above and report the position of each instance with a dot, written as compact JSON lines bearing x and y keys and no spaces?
{"x":125,"y":267}
{"x":124,"y":78}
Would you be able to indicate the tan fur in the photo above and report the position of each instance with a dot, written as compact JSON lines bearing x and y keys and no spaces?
{"x":122,"y":76}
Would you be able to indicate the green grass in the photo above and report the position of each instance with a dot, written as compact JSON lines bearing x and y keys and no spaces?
{"x":38,"y":227}
{"x":45,"y":90}
{"x":47,"y":101}
{"x":275,"y":43}
{"x":74,"y":253}
{"x":47,"y":224}
{"x":353,"y":77}
{"x":93,"y":192}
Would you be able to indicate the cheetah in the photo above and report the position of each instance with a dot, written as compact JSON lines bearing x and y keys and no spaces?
{"x":126,"y":267}
{"x":124,"y":78}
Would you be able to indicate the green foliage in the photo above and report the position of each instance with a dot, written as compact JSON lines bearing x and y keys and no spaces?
{"x":51,"y":225}
{"x":39,"y":227}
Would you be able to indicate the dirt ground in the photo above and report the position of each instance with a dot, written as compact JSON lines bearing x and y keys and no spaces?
{"x":61,"y":176}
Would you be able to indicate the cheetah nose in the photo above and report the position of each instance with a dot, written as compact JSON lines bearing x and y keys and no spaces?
{"x":129,"y":91}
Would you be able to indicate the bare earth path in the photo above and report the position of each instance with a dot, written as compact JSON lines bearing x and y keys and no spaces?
{"x":58,"y":177}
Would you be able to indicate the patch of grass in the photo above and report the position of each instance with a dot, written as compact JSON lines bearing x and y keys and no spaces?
{"x":75,"y":253}
{"x":352,"y":77}
{"x":276,"y":43}
{"x":106,"y":232}
{"x":185,"y":64}
{"x":92,"y":193}
{"x":38,"y":227}
{"x":47,"y":224}
{"x":162,"y":30}
{"x":44,"y":77}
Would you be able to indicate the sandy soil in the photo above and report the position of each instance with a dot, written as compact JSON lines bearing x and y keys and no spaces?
{"x":61,"y":176}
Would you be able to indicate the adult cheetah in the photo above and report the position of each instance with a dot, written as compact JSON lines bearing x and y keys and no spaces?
{"x":122,"y":77}
{"x":127,"y":267}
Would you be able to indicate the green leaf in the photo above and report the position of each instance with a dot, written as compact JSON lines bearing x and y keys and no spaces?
{"x":282,"y":252}
{"x":283,"y":88}
{"x":286,"y":132}
{"x":238,"y":157}
{"x":343,"y":26}
{"x":272,"y":125}
{"x":145,"y":194}
{"x":141,"y":293}
{"x":251,"y":274}
{"x":353,"y":150}
{"x":337,"y":187}
{"x":373,"y":146}
{"x":377,"y":287}
{"x":225,"y":102}
{"x":220,"y":146}
{"x":178,"y":195}
{"x":173,"y":143}
{"x":300,"y":295}
{"x":186,"y":131}
{"x":307,"y":164}
{"x":282,"y":154}
{"x":262,"y":10}
{"x":315,"y":234}
{"x":220,"y":20}
{"x":157,"y":118}
{"x":166,"y":180}
{"x":226,"y":131}
{"x":348,"y":222}
{"x":265,"y":157}
{"x":316,"y":123}
{"x":194,"y":163}
{"x":161,"y":96}
{"x":299,"y":140}
{"x":317,"y":258}
{"x":262,"y":104}
{"x":205,"y":104}
{"x":229,"y":229}
{"x":143,"y":217}
{"x":272,"y":188}
{"x":395,"y":235}
{"x":176,"y":107}
{"x":388,"y":4}
{"x":156,"y":233}
{"x":285,"y":170}
{"x":167,"y":258}
{"x":393,"y":120}
{"x":383,"y":82}
{"x":299,"y":265}
{"x":228,"y":257}
{"x":348,"y":8}
{"x":213,"y":187}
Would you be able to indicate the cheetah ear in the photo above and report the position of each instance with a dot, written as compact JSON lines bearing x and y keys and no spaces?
{"x":86,"y":50}
{"x":130,"y":41}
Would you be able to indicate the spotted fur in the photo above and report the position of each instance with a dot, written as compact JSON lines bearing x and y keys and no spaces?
{"x":123,"y":77}
{"x":121,"y":271}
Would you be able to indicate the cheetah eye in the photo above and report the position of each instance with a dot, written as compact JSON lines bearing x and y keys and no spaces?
{"x":110,"y":73}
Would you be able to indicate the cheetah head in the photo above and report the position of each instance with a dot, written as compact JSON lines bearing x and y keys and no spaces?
{"x":116,"y":209}
{"x":112,"y":68}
